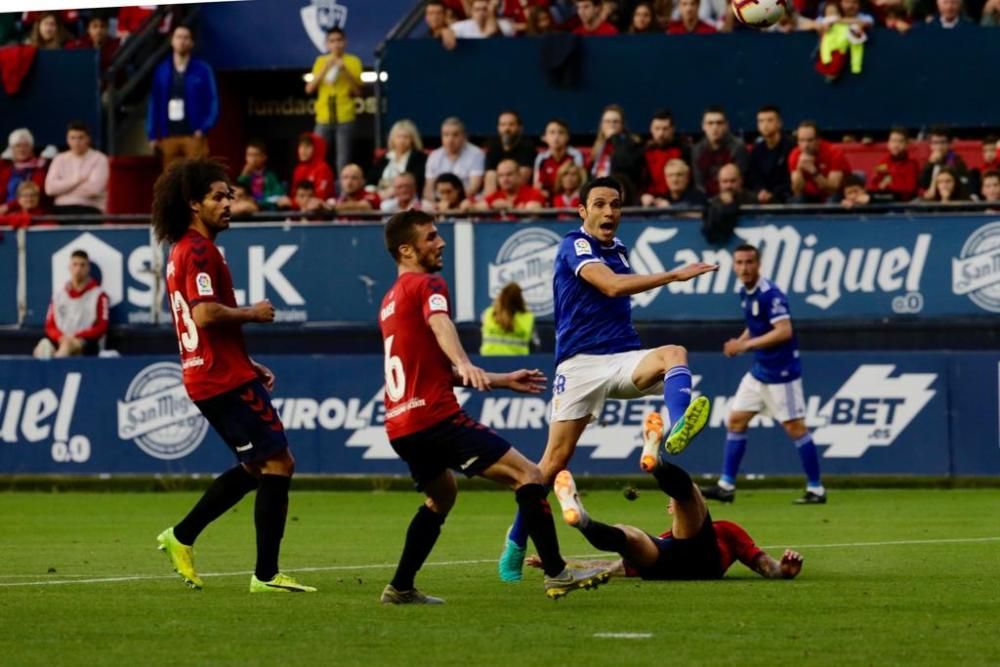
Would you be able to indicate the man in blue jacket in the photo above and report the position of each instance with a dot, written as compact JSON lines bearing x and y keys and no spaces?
{"x":184,"y":103}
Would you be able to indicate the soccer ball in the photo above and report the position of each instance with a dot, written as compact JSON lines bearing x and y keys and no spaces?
{"x":758,"y":13}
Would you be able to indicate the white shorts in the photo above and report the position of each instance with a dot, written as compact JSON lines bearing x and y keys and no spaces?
{"x":583,"y":382}
{"x":783,"y":400}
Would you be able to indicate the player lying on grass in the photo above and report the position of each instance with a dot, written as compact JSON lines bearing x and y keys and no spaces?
{"x":695,"y":547}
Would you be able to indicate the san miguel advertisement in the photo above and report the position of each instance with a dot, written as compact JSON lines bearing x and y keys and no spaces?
{"x":932,"y":413}
{"x":849,"y":267}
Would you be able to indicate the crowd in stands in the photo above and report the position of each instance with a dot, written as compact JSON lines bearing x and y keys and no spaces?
{"x":102,"y":29}
{"x":449,"y":20}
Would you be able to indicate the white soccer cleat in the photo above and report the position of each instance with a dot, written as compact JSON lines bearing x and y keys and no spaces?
{"x":572,"y":509}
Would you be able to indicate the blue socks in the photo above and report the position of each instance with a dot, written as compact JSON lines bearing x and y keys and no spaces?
{"x":676,"y":393}
{"x":736,"y":447}
{"x":810,"y":461}
{"x":518,"y":532}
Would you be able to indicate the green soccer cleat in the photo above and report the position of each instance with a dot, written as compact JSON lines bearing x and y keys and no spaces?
{"x":573,"y":578}
{"x":689,"y":425}
{"x":181,"y":558}
{"x":280,"y":583}
{"x":511,"y":561}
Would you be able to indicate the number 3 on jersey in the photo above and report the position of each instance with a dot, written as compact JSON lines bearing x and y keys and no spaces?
{"x":187,"y":332}
{"x":395,"y":377}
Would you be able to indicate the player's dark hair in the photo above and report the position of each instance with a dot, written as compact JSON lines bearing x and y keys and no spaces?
{"x":746,"y":247}
{"x":336,"y":30}
{"x":770,"y":108}
{"x":183,"y":183}
{"x":401,"y":229}
{"x":714,"y":108}
{"x":78,"y":126}
{"x":602,"y":182}
{"x":663,"y":114}
{"x":81,"y":254}
{"x":899,"y":129}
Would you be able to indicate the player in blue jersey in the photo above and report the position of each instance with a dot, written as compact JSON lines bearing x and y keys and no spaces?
{"x":774,"y":384}
{"x":598,"y":351}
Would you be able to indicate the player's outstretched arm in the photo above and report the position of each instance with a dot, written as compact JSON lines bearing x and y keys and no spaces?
{"x":787,"y":568}
{"x":614,"y":284}
{"x":212,"y":313}
{"x":523,"y":381}
{"x":449,"y":342}
{"x":781,"y":332}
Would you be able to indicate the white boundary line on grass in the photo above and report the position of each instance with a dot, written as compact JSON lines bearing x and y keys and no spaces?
{"x":451,"y":563}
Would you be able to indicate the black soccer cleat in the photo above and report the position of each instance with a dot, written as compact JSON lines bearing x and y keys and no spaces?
{"x":810,"y":498}
{"x":716,"y":492}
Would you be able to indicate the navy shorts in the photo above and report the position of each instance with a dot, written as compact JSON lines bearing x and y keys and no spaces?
{"x":696,"y":557}
{"x":246,"y":421}
{"x":457,"y":443}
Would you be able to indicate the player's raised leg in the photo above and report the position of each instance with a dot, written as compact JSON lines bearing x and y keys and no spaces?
{"x":563,"y":436}
{"x":668,"y":364}
{"x":421,"y":536}
{"x":514,"y":470}
{"x":629,"y":542}
{"x":688,"y":506}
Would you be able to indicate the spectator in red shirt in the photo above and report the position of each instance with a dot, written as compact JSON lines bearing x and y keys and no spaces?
{"x":663,"y":146}
{"x":942,"y":155}
{"x":817,"y":166}
{"x":642,"y":20}
{"x":559,"y":152}
{"x":78,"y":314}
{"x":21,"y":166}
{"x":592,"y":23}
{"x":47,"y":32}
{"x":991,"y":162}
{"x":353,"y":196}
{"x":897,"y":173}
{"x":719,"y":147}
{"x":28,"y":203}
{"x":512,"y":193}
{"x":517,"y":11}
{"x":946,"y":187}
{"x":97,"y":38}
{"x":568,"y":181}
{"x":312,"y":167}
{"x":689,"y":22}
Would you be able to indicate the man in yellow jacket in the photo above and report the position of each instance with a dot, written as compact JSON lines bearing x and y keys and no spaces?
{"x":336,"y":78}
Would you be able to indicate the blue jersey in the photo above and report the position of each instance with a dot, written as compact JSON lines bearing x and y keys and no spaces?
{"x":588,"y":322}
{"x":762,"y":306}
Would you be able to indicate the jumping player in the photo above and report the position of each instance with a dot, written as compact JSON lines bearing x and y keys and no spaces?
{"x":424,"y":359}
{"x":774,"y":384}
{"x":598,"y":351}
{"x":695,"y":547}
{"x":190,"y":208}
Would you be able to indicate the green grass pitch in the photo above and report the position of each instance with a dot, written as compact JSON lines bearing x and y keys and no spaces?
{"x":891,"y":577}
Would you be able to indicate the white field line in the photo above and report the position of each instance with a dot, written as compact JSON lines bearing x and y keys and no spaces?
{"x":451,"y":563}
{"x":623,"y":635}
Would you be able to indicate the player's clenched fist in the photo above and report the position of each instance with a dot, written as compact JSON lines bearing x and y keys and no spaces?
{"x":263,"y":311}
